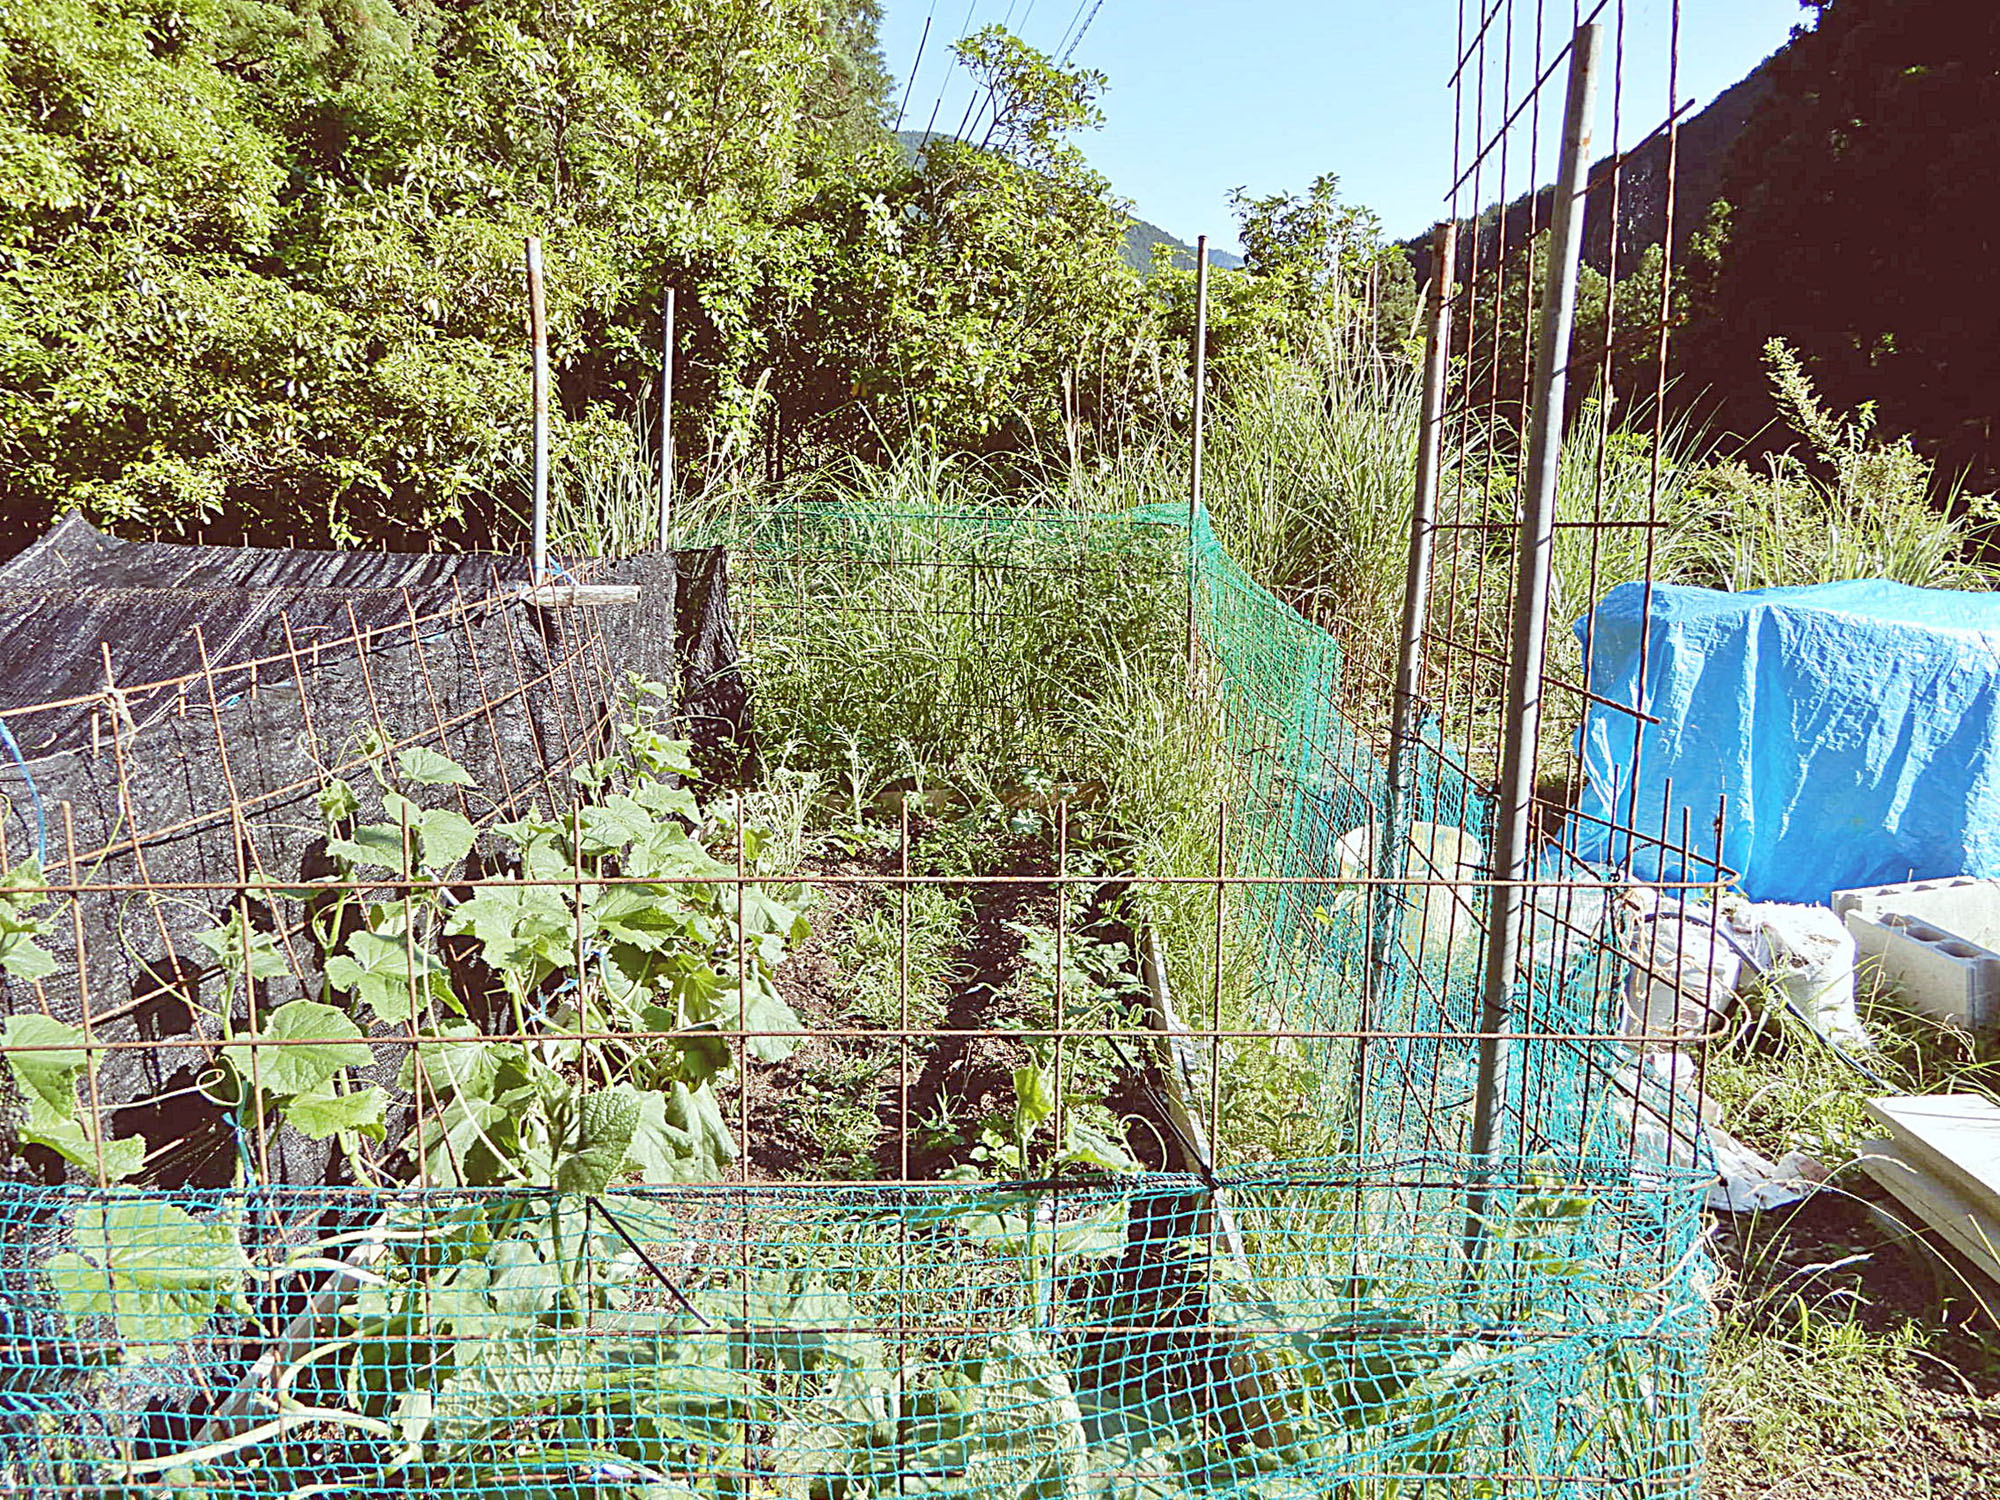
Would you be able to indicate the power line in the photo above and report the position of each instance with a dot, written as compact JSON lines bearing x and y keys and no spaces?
{"x":911,"y":81}
{"x":964,"y":30}
{"x":1078,"y":38}
{"x":1075,"y":16}
{"x":974,"y":118}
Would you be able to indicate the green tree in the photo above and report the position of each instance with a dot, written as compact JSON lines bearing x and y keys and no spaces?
{"x":260,"y":263}
{"x":958,"y":297}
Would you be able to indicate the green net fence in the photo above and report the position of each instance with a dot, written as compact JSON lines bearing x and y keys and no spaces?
{"x":1329,"y":1297}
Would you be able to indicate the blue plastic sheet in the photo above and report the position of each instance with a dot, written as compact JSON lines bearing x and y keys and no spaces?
{"x":1854,"y":729}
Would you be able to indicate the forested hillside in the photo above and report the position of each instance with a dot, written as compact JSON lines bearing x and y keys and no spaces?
{"x":1857,"y":220}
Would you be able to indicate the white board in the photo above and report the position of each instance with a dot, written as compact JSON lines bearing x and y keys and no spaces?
{"x":1952,"y":1137}
{"x":1974,"y":1234}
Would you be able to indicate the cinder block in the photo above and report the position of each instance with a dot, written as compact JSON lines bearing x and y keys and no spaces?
{"x":1939,"y":940}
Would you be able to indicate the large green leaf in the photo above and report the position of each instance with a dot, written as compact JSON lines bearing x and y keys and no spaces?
{"x":1084,"y":1144}
{"x":322,"y":1113}
{"x":158,"y":1272}
{"x":664,"y":800}
{"x":20,"y":955}
{"x":670,"y":852}
{"x":646,"y":916}
{"x":316,"y":1042}
{"x":49,"y":1075}
{"x":696,"y":1111}
{"x":471,"y":1142}
{"x":443,"y":836}
{"x":764,"y":913}
{"x":761,"y":1009}
{"x":616,"y":822}
{"x":426,"y":767}
{"x":376,"y":845}
{"x":382,"y":972}
{"x":47,"y":1080}
{"x":518,"y":926}
{"x":601,"y":1138}
{"x":660,"y":1150}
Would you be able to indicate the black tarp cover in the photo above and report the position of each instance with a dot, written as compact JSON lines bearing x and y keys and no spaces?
{"x":172,"y":711}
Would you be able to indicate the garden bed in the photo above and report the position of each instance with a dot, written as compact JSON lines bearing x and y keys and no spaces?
{"x":950,"y":983}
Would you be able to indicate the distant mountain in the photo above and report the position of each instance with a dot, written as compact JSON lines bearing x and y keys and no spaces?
{"x":1702,"y":148}
{"x":1140,"y":237}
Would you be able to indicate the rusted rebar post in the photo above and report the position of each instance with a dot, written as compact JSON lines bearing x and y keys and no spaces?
{"x":1514,"y":797}
{"x":538,"y":338}
{"x":1404,"y":725}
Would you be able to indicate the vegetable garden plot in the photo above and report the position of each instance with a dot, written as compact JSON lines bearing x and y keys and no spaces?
{"x":544,"y":1044}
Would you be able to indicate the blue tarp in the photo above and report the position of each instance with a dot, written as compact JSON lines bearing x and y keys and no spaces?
{"x":1854,"y":728}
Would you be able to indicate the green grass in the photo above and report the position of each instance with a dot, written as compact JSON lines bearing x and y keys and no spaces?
{"x":874,"y":979}
{"x":1800,"y":1377}
{"x":1782,"y":1089}
{"x":1838,"y":1316}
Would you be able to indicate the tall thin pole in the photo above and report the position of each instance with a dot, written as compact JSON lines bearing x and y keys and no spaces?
{"x":538,"y":336}
{"x":1404,"y":726}
{"x":1514,"y":798}
{"x":1200,"y":426}
{"x":1423,"y":513}
{"x":667,"y":425}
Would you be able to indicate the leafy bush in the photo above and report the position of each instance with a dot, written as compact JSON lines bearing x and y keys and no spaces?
{"x":1852,"y":506}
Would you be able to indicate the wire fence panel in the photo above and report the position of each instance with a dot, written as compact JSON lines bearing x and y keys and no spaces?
{"x":890,"y":1009}
{"x":564,"y":1048}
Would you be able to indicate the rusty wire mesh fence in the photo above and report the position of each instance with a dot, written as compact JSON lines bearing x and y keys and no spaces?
{"x":913,"y":1002}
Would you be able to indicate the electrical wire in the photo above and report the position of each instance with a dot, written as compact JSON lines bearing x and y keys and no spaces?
{"x":1077,"y":40}
{"x":1075,"y":15}
{"x":911,"y":81}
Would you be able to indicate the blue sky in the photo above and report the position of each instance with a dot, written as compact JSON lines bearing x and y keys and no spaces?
{"x":1206,"y":95}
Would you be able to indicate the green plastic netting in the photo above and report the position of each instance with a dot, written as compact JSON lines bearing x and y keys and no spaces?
{"x":1303,"y":1327}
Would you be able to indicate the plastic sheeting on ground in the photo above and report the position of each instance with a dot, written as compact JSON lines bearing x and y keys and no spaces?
{"x":1854,"y":729}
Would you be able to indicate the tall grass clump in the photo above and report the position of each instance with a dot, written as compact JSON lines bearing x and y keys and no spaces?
{"x":604,"y":486}
{"x":1851,"y":505}
{"x":1310,"y":481}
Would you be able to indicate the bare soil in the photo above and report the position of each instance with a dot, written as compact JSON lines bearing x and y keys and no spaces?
{"x":976,"y":1072}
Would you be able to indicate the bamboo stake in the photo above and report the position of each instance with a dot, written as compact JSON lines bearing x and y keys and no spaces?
{"x":667,"y":425}
{"x":1200,"y":419}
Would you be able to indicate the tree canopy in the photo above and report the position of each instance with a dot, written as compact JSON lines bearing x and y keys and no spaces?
{"x":261,"y":260}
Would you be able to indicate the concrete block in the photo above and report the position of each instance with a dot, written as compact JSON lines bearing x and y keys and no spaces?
{"x":1938,"y":940}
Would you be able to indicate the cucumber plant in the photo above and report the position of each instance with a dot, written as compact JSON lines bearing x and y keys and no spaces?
{"x":567,"y":1018}
{"x":47,"y":1060}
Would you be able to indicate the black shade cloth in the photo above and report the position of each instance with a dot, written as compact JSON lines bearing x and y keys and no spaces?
{"x":241,"y":679}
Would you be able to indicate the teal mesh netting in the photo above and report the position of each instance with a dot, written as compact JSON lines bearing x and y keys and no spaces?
{"x":1331,"y":1325}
